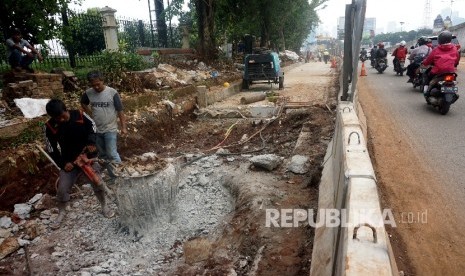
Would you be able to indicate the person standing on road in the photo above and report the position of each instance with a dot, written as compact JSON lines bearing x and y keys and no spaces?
{"x":74,"y":132}
{"x":326,"y":56}
{"x":18,"y":57}
{"x":106,"y":107}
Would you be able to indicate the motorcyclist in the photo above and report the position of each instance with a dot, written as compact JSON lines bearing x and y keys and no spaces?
{"x":372,"y":55}
{"x":400,"y":53}
{"x":444,"y":58}
{"x":380,"y":52}
{"x":363,"y":55}
{"x":417,"y":56}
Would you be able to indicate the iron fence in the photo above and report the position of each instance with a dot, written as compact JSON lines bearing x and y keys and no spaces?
{"x":81,"y":40}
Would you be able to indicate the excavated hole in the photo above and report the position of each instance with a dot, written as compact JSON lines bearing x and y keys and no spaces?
{"x":175,"y":202}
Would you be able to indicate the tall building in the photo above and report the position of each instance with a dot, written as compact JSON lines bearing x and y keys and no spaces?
{"x":340,"y":27}
{"x":447,"y":22}
{"x":369,"y":26}
{"x":438,"y":24}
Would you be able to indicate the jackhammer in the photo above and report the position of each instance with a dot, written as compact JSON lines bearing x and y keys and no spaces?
{"x":85,"y":164}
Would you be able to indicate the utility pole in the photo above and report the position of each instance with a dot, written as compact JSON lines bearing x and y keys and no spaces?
{"x":451,"y":3}
{"x":427,"y":14}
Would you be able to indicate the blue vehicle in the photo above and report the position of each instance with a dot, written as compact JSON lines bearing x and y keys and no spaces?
{"x":263,"y":68}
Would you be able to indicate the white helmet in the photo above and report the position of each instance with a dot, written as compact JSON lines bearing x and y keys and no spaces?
{"x":402,"y":43}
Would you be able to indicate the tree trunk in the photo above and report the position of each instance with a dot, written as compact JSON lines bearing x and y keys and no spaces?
{"x":161,"y":24}
{"x":206,"y":21}
{"x":265,"y":33}
{"x":69,"y":46}
{"x":283,"y":40}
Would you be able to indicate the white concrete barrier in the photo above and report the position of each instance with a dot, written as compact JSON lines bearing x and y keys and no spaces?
{"x":359,"y":246}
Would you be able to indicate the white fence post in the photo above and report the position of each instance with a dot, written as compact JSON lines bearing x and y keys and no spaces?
{"x":110,"y":28}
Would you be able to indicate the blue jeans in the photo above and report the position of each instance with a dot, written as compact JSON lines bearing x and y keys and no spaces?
{"x":106,"y":146}
{"x":17,"y":59}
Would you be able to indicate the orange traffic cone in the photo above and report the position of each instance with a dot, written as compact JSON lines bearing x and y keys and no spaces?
{"x":333,"y":63}
{"x":363,"y":72}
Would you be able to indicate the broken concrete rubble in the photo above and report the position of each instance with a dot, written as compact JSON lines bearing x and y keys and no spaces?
{"x":266,"y":161}
{"x":8,"y":246}
{"x":298,"y":164}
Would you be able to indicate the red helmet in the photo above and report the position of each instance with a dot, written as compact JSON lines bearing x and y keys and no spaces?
{"x":381,"y":45}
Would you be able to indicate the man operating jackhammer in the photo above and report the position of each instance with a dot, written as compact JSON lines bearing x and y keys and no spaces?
{"x":74,"y":132}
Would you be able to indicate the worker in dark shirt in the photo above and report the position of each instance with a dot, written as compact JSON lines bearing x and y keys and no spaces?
{"x":74,"y":132}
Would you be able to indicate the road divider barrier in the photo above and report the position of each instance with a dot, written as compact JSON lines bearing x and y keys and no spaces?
{"x":361,"y":245}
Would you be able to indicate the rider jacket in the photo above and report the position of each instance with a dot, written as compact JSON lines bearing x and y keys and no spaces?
{"x":400,"y":53}
{"x":444,"y":58}
{"x":381,"y":53}
{"x":422,"y":50}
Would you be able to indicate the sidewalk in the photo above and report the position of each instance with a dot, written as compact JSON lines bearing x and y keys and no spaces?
{"x":303,"y":83}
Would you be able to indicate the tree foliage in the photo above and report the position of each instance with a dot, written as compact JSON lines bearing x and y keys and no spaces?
{"x":282,"y":24}
{"x":84,"y":33}
{"x":278,"y":23}
{"x":396,"y":37}
{"x":34,"y":18}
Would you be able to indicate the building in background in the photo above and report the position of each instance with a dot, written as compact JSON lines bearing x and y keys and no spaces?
{"x":438,"y":24}
{"x":369,"y":27}
{"x":340,"y":27}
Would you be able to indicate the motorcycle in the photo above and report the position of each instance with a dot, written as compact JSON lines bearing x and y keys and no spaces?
{"x":418,"y":79}
{"x":442,"y":92}
{"x":399,"y":67}
{"x":381,"y":65}
{"x":372,"y":61}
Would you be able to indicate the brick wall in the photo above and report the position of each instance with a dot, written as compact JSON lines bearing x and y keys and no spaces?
{"x":37,"y":86}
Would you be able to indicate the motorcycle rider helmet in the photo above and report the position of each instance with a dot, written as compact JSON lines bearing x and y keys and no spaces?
{"x":381,"y":45}
{"x":422,"y":41}
{"x":402,"y":43}
{"x":444,"y":37}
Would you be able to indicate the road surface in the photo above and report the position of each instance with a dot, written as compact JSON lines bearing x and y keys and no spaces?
{"x":419,"y":156}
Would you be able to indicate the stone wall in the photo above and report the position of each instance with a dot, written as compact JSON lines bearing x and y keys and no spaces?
{"x":37,"y":86}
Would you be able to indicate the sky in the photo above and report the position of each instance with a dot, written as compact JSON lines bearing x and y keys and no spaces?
{"x":134,"y":9}
{"x":411,"y":12}
{"x":408,"y":11}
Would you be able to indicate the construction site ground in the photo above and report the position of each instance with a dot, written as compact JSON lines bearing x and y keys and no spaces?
{"x":237,"y":242}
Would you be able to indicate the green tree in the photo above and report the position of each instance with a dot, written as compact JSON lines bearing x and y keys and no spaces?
{"x":286,"y":23}
{"x":34,"y":18}
{"x":84,"y":34}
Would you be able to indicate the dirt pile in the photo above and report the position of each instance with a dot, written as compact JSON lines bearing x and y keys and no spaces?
{"x":218,"y":226}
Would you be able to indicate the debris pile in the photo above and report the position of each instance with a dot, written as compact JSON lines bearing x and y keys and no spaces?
{"x":289,"y":56}
{"x":167,"y":76}
{"x":37,"y":86}
{"x":96,"y":245}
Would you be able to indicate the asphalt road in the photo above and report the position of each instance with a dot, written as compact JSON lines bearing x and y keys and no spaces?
{"x":441,"y":138}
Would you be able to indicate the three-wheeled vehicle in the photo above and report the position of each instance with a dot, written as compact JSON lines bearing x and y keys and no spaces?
{"x":263,"y":67}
